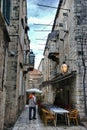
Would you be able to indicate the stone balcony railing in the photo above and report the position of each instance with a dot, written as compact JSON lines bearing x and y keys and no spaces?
{"x":53,"y":54}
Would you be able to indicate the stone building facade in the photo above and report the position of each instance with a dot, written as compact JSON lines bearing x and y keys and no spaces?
{"x":35,"y":78}
{"x":13,"y":29}
{"x":4,"y":42}
{"x":34,"y":81}
{"x":67,"y":43}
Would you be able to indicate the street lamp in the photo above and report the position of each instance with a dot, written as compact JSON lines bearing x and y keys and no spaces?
{"x":31,"y":60}
{"x":64,"y":68}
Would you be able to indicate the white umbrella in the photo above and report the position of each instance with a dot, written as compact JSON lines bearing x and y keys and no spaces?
{"x":36,"y":90}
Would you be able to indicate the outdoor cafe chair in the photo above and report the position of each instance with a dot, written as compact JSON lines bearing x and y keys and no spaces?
{"x":73,"y":116}
{"x":47,"y":115}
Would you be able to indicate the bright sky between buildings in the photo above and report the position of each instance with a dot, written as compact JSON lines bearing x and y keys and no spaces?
{"x":38,"y":19}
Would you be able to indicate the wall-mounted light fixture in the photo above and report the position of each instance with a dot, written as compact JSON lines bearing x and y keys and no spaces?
{"x":31,"y":57}
{"x":64,"y":68}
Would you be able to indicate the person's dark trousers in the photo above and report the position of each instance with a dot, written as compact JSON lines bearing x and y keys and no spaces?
{"x":32,"y":110}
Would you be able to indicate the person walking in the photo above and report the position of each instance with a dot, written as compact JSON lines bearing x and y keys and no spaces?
{"x":32,"y":106}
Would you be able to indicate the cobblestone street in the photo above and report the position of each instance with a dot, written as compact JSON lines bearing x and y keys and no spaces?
{"x":23,"y":123}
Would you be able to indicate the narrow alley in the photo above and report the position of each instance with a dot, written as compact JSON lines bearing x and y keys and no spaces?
{"x":23,"y":123}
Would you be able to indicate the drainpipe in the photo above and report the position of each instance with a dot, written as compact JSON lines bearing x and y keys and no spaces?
{"x":84,"y":74}
{"x":3,"y":73}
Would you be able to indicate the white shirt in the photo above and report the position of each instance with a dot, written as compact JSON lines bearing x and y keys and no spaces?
{"x":32,"y":102}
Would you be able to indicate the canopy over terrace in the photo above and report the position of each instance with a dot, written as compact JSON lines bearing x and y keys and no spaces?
{"x":59,"y":78}
{"x":61,"y":85}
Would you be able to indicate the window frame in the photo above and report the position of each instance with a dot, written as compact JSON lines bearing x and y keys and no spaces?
{"x":6,"y":10}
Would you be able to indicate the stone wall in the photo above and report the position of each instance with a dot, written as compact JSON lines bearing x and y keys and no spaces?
{"x":10,"y":58}
{"x":4,"y":39}
{"x":1,"y":111}
{"x":80,"y":15}
{"x":72,"y":43}
{"x":75,"y":50}
{"x":11,"y":112}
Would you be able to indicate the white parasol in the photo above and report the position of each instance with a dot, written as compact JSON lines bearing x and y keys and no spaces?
{"x":36,"y":90}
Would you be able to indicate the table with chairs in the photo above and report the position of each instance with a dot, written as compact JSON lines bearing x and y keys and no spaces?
{"x":62,"y":112}
{"x":51,"y":112}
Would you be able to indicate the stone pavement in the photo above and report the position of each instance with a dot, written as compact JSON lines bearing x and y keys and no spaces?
{"x":23,"y":123}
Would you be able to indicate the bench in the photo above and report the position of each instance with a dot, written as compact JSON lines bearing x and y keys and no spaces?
{"x":47,"y":115}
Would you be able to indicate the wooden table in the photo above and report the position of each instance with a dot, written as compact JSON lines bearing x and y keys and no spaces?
{"x":58,"y":110}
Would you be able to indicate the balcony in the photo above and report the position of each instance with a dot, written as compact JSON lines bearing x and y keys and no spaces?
{"x":28,"y":67}
{"x":53,"y":36}
{"x":54,"y":54}
{"x":28,"y":61}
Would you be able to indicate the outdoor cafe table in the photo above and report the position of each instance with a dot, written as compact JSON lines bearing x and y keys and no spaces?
{"x":59,"y":110}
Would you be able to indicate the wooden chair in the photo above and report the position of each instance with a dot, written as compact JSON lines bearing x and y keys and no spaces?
{"x":68,"y":107}
{"x":47,"y":115}
{"x":73,"y":116}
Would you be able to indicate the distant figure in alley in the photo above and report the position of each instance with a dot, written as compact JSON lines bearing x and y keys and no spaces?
{"x":32,"y":106}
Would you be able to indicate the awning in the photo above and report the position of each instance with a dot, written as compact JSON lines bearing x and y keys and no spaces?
{"x":53,"y":35}
{"x":59,"y":78}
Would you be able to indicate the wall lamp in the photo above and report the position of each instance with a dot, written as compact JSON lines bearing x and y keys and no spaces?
{"x":64,"y":67}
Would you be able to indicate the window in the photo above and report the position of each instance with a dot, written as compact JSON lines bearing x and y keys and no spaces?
{"x":66,"y":26}
{"x":25,"y":57}
{"x":22,"y":22}
{"x":64,"y":1}
{"x":0,"y":3}
{"x":6,"y":10}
